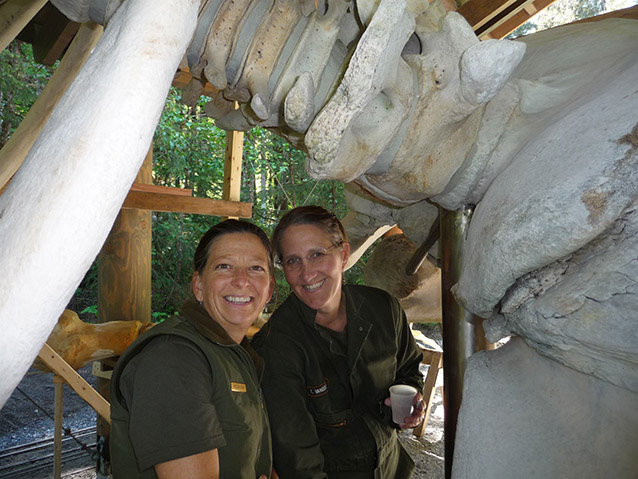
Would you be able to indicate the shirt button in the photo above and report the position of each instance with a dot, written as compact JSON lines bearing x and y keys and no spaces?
{"x":360,"y":328}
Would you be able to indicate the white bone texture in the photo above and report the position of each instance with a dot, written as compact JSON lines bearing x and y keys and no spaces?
{"x":62,"y":202}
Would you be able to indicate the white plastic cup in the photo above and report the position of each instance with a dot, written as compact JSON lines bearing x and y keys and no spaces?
{"x":402,"y":397}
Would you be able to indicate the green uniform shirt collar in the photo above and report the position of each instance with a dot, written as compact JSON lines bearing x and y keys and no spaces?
{"x":197,"y":315}
{"x":358,"y":327}
{"x":308,"y":314}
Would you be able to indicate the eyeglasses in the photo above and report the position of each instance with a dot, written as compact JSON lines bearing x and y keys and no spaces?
{"x":293,"y":263}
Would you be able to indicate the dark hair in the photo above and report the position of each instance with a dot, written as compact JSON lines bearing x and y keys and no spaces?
{"x":310,"y":215}
{"x":224,"y":228}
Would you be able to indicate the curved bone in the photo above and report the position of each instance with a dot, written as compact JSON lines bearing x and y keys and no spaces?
{"x":62,"y":202}
{"x":376,"y":79}
{"x":561,"y":205}
{"x":80,"y":343}
{"x":420,"y":293}
{"x":81,"y":11}
{"x":222,"y":37}
{"x":321,"y":32}
{"x":262,"y":55}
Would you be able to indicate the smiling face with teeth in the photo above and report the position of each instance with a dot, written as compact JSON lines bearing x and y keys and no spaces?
{"x":316,"y":284}
{"x":236,"y":283}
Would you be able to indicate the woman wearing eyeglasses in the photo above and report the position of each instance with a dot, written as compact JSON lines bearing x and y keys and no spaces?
{"x":331,"y":353}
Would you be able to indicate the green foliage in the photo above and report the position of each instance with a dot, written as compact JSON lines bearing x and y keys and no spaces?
{"x":90,"y":310}
{"x":21,"y":81}
{"x":189,"y":152}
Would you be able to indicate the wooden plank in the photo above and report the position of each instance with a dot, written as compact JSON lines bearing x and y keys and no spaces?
{"x":232,"y":165}
{"x":59,"y":43}
{"x":436,"y":362}
{"x":182,"y":204}
{"x":14,"y":16}
{"x":479,"y":12}
{"x":516,"y":20}
{"x":58,"y":415}
{"x":168,"y":190}
{"x":60,"y":367}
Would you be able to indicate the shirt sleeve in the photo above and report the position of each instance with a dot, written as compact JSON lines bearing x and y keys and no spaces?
{"x":296,"y":450}
{"x":168,"y":389}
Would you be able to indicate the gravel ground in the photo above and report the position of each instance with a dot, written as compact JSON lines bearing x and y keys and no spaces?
{"x":28,"y":416}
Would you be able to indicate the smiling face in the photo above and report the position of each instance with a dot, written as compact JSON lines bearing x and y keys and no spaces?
{"x":317,"y":284}
{"x":236,"y":283}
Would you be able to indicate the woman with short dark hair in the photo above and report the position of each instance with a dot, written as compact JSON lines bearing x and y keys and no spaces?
{"x":186,"y":397}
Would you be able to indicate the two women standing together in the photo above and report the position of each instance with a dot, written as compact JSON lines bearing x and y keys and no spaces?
{"x":186,"y":397}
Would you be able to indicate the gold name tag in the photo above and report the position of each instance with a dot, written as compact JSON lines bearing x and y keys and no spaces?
{"x":237,"y":387}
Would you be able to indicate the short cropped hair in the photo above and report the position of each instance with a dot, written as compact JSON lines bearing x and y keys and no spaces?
{"x":310,"y":215}
{"x":228,"y":227}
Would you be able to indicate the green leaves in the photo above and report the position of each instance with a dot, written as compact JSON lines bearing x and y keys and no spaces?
{"x":21,"y":81}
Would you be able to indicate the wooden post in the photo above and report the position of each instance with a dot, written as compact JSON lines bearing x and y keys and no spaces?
{"x":58,"y":415}
{"x":232,"y":166}
{"x":124,"y":272}
{"x":124,"y":264}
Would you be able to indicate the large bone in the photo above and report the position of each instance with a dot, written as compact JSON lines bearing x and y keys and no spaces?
{"x":555,"y":196}
{"x":61,"y":204}
{"x":80,"y":343}
{"x":251,"y":82}
{"x":456,"y":77}
{"x":348,"y":134}
{"x":420,"y":293}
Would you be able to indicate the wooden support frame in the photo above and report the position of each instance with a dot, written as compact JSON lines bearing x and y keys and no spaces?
{"x":60,"y":42}
{"x":232,"y":165}
{"x":182,"y":204}
{"x":498,"y":18}
{"x":517,"y":19}
{"x":60,"y":367}
{"x":435,"y":360}
{"x":14,"y":16}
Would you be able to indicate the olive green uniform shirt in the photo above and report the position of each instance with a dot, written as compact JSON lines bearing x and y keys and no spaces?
{"x":325,"y":393}
{"x":183,"y":388}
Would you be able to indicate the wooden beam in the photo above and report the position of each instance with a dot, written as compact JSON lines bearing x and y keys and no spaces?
{"x":523,"y":16}
{"x":60,"y":43}
{"x":60,"y":367}
{"x":14,"y":16}
{"x":479,"y":12}
{"x":182,"y":204}
{"x":435,"y":360}
{"x":518,"y":18}
{"x":232,"y":165}
{"x":168,"y":190}
{"x":124,"y":264}
{"x":16,"y":149}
